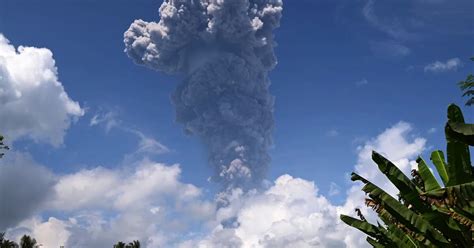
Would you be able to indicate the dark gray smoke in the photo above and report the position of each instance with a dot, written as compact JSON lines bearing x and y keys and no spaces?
{"x":225,"y":50}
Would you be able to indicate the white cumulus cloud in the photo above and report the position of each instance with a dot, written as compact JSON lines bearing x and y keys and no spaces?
{"x":33,"y":102}
{"x":99,"y":206}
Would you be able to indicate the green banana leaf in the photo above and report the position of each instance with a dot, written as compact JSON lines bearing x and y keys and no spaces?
{"x":408,"y":190}
{"x":461,"y":196}
{"x":375,"y":243}
{"x":401,"y":238}
{"x":429,"y":180}
{"x":462,"y":132}
{"x":405,"y":216}
{"x":363,"y":226}
{"x":437,"y":157}
{"x":459,"y":159}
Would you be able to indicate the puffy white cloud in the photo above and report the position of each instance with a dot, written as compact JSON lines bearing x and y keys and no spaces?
{"x":34,"y":103}
{"x":449,"y":65}
{"x":51,"y":233}
{"x":85,"y":189}
{"x":291,"y":213}
{"x":148,"y":201}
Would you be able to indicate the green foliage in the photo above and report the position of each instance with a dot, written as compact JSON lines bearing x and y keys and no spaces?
{"x":3,"y":146}
{"x":459,"y":159}
{"x":133,"y":244}
{"x":467,"y":86}
{"x":27,"y":242}
{"x":427,"y":213}
{"x":5,"y":243}
{"x":119,"y":245}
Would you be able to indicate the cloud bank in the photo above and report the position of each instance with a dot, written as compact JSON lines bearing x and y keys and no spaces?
{"x":20,"y":197}
{"x":145,"y":201}
{"x":33,"y":103}
{"x":148,"y":201}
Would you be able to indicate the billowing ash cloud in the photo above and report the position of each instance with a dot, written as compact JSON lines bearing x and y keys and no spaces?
{"x":225,"y":50}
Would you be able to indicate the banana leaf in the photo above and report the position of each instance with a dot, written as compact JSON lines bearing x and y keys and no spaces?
{"x":437,"y":157}
{"x":461,"y":196}
{"x":462,"y":132}
{"x":404,"y":215}
{"x":375,"y":243}
{"x":400,"y":238}
{"x":363,"y":226}
{"x":408,"y":190}
{"x":459,"y":159}
{"x":429,"y":180}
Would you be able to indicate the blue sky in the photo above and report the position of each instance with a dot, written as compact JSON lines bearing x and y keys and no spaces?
{"x":347,"y":71}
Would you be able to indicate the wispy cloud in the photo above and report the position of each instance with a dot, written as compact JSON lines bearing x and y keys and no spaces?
{"x":449,"y":65}
{"x":392,"y":28}
{"x":390,"y":48}
{"x":107,"y":118}
{"x":149,"y":145}
{"x":362,"y":82}
{"x":146,"y":144}
{"x":334,"y":189}
{"x":431,"y":1}
{"x":396,"y":29}
{"x":332,"y":133}
{"x":432,"y":130}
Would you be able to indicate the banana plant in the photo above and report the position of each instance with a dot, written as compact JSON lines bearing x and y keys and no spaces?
{"x":428,"y":213}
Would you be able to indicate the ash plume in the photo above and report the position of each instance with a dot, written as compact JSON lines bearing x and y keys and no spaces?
{"x":224,"y":49}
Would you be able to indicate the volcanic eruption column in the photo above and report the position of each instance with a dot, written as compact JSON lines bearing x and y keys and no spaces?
{"x":224,"y":49}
